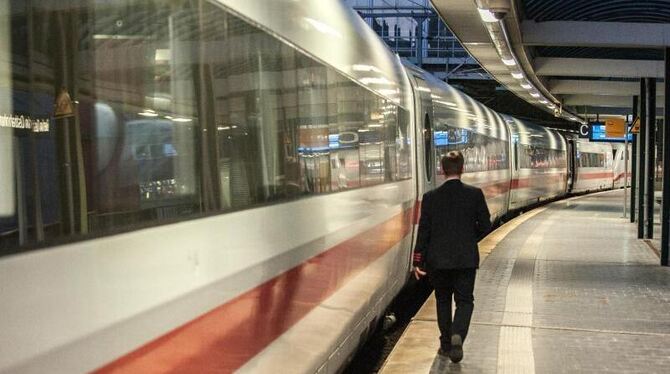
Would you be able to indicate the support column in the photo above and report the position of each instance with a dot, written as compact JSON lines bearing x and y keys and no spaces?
{"x":419,"y":41}
{"x":665,"y":217}
{"x":650,"y":155}
{"x":633,"y":172}
{"x":640,"y":160}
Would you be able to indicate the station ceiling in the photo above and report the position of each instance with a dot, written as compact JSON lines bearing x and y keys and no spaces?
{"x":587,"y":57}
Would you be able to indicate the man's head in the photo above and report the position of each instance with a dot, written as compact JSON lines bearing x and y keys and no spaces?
{"x":452,"y":164}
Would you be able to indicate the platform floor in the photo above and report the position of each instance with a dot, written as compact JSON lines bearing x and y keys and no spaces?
{"x":567,"y":288}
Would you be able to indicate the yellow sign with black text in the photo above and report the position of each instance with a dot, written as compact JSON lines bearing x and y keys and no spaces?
{"x":615,"y":127}
{"x":635,"y":128}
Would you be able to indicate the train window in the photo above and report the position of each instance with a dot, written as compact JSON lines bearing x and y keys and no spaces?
{"x":428,"y":146}
{"x":480,"y":152}
{"x":169,"y":112}
{"x":534,"y":157}
{"x":403,"y":142}
{"x":589,"y":159}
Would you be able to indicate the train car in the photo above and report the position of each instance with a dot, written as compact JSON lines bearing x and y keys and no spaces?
{"x":618,"y":166}
{"x":593,"y":164}
{"x":459,"y":123}
{"x":231,"y":189}
{"x":539,"y":164}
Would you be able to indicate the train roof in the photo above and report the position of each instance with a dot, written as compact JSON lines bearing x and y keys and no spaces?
{"x":528,"y":133}
{"x":333,"y":33}
{"x":454,"y":108}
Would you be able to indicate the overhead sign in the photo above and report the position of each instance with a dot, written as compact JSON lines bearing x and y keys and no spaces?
{"x":584,"y":130}
{"x":598,"y":133}
{"x":615,"y":128}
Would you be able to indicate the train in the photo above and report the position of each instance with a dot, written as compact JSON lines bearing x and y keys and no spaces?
{"x":228,"y":185}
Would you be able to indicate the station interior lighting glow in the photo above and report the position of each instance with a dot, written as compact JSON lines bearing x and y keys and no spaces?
{"x":503,"y":46}
{"x":487,"y":15}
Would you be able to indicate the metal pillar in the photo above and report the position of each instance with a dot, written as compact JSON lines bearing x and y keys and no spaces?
{"x":633,"y":161}
{"x":650,"y":154}
{"x":419,"y":41}
{"x":640,"y":160}
{"x":625,"y":169}
{"x":665,"y":218}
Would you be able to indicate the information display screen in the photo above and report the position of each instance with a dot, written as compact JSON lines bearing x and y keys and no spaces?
{"x":597,"y":133}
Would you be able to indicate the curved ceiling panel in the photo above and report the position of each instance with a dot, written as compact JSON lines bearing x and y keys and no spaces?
{"x":601,"y":52}
{"x":640,"y":11}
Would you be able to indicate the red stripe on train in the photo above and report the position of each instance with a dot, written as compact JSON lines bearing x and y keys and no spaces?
{"x":225,"y":338}
{"x":539,"y":179}
{"x":597,"y":175}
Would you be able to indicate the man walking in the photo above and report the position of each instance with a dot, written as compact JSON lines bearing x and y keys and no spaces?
{"x":454,"y":217}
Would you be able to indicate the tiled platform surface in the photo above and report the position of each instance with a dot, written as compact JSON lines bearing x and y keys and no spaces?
{"x":569,"y":290}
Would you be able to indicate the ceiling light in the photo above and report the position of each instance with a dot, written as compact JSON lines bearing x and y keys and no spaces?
{"x":543,"y":101}
{"x":508,"y":61}
{"x":534,"y":94}
{"x":517,"y":75}
{"x":487,"y":15}
{"x":181,"y":119}
{"x":526,"y":86}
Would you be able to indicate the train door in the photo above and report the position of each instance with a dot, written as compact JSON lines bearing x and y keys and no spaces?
{"x":572,"y":164}
{"x":423,"y":133}
{"x":425,"y":150}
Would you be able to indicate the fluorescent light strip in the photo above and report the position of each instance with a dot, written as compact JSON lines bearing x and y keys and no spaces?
{"x":487,"y":15}
{"x":517,"y":75}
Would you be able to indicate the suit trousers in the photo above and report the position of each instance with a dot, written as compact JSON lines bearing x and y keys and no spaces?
{"x":459,"y":283}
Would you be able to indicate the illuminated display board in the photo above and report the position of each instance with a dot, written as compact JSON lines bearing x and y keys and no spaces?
{"x":597,"y":134}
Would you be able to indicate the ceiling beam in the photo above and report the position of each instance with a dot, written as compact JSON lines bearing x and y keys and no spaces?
{"x":590,"y":87}
{"x":596,"y":34}
{"x":591,"y":111}
{"x":597,"y":100}
{"x":587,"y":67}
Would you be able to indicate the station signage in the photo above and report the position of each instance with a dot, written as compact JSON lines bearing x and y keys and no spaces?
{"x":598,"y":132}
{"x":584,"y":130}
{"x":615,"y":128}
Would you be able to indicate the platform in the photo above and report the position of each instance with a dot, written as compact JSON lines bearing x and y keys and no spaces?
{"x":566,"y":288}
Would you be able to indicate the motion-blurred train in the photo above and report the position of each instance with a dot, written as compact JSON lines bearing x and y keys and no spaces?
{"x":237,"y":185}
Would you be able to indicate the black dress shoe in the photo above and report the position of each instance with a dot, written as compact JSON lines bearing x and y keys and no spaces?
{"x":456,"y":351}
{"x":442,"y":352}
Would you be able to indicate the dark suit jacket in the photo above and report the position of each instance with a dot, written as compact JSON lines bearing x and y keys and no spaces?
{"x":453,"y":219}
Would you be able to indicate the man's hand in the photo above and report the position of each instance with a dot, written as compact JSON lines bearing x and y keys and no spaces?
{"x":418,"y":273}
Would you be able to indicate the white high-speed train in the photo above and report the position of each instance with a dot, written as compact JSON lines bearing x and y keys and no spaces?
{"x":228,"y":185}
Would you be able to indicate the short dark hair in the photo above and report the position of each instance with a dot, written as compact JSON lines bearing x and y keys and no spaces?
{"x":452,"y":163}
